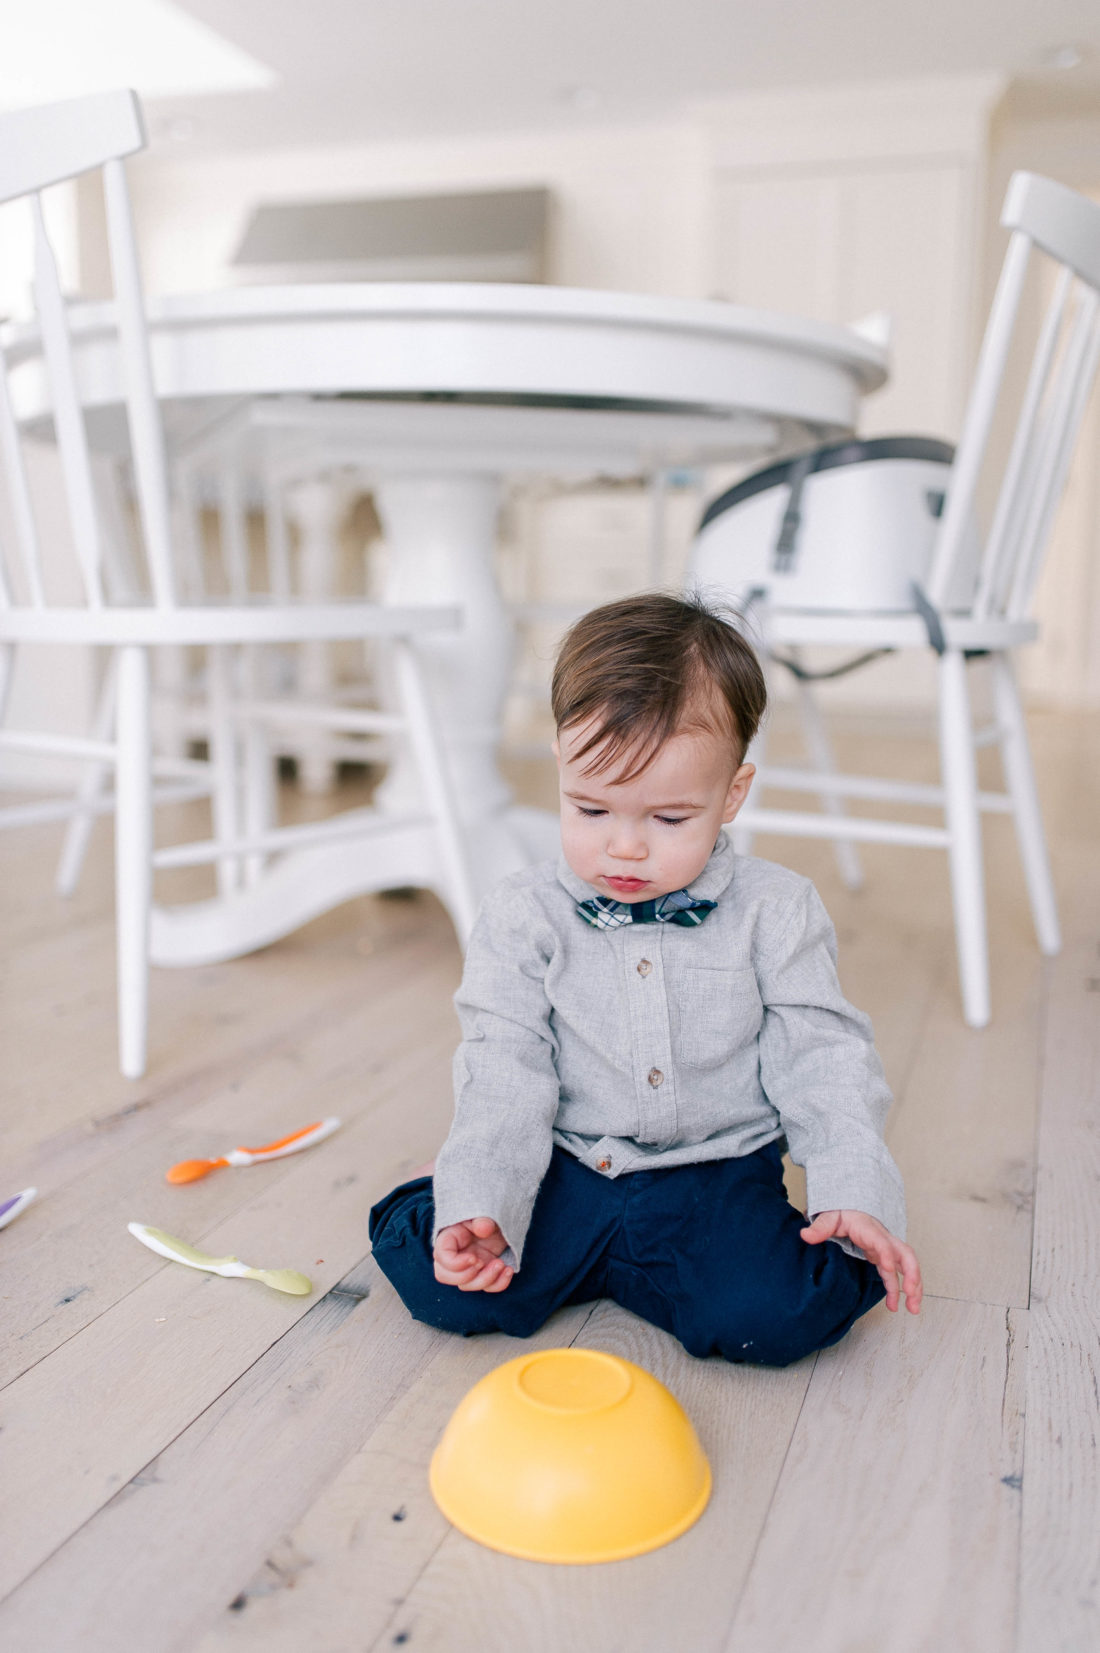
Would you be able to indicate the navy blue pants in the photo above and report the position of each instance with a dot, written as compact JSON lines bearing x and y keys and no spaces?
{"x":709,"y":1252}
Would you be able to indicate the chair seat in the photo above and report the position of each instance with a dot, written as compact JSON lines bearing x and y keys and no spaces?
{"x":893,"y":630}
{"x":256,"y":622}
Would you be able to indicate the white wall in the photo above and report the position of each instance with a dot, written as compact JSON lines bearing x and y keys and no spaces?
{"x":630,"y":201}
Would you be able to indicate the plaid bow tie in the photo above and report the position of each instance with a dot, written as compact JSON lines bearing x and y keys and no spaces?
{"x":605,"y":913}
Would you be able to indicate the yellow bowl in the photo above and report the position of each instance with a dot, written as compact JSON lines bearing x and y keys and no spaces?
{"x":570,"y":1455}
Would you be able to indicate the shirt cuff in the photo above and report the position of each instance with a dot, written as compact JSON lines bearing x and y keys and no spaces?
{"x":870,"y":1188}
{"x":460,"y":1199}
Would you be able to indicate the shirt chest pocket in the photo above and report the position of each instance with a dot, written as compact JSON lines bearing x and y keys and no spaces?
{"x":717,"y":1011}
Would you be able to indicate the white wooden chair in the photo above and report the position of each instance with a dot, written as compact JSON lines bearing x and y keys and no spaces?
{"x":975,"y":599}
{"x":249,"y":466}
{"x":38,"y":148}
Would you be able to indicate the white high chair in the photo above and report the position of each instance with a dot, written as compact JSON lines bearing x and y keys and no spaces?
{"x":971,"y":598}
{"x":38,"y":148}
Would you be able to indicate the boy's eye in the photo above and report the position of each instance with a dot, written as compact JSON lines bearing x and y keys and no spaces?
{"x":671,"y":820}
{"x":591,"y":812}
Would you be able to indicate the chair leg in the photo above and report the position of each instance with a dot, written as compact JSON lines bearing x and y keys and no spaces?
{"x":133,"y":856}
{"x":258,"y":760}
{"x":171,"y":673}
{"x":1020,"y":780}
{"x":819,"y":749}
{"x":7,"y":672}
{"x":963,"y":822}
{"x":318,"y":508}
{"x":92,"y":781}
{"x":223,"y":757}
{"x":428,"y":753}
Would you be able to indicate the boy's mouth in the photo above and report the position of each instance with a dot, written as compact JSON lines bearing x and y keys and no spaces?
{"x":627,"y":886}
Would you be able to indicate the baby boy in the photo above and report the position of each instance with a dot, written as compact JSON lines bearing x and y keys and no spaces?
{"x":646,"y":1025}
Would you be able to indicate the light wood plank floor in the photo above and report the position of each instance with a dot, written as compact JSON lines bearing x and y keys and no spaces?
{"x":200,"y":1465}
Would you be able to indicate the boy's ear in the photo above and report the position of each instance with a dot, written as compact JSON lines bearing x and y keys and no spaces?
{"x":739,"y":790}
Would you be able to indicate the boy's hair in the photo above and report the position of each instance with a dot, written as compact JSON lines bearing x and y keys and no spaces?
{"x":648,"y":667}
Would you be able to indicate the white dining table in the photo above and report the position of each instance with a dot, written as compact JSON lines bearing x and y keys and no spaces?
{"x":435,"y":395}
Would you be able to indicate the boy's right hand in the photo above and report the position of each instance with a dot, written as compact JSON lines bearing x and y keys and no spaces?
{"x":467,"y":1255}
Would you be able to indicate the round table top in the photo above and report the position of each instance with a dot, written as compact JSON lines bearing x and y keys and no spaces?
{"x":739,"y":375}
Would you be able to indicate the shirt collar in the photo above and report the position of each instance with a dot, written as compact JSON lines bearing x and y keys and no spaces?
{"x":713,"y":879}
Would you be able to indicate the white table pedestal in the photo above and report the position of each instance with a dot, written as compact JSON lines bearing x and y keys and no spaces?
{"x":441,"y":535}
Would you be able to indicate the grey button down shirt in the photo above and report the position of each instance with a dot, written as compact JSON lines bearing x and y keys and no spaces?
{"x":654,"y":1045}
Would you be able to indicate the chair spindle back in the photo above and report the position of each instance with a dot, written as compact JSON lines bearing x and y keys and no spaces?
{"x":38,"y":148}
{"x":1066,"y":226}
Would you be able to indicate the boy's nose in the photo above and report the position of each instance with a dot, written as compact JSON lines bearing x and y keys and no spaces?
{"x":627,"y":844}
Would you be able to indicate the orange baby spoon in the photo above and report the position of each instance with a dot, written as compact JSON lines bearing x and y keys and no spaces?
{"x":190,"y":1170}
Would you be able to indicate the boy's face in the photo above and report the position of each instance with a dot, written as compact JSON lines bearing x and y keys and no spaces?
{"x":637,"y":840}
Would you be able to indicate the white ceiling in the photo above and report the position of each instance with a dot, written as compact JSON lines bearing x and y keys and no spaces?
{"x":360,"y":70}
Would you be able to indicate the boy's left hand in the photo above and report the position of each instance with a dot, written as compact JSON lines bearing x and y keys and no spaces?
{"x":890,"y":1256}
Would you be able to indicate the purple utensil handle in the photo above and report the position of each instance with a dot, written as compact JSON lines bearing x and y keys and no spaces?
{"x":10,"y":1209}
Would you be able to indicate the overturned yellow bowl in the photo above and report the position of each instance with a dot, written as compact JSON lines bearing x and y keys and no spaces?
{"x":570,"y":1455}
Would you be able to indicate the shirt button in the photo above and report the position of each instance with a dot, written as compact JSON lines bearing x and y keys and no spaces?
{"x":603,"y":1165}
{"x":644,"y":967}
{"x":655,"y":1077}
